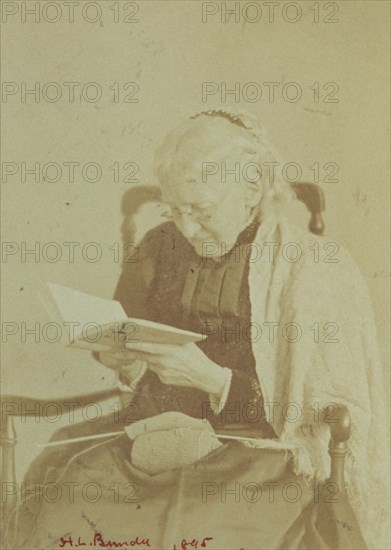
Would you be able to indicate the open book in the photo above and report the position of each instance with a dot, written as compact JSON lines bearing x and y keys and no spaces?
{"x":96,"y":323}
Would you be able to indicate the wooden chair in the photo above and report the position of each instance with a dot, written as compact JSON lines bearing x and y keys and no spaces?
{"x":13,"y":406}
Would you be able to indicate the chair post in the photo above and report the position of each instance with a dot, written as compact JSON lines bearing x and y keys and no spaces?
{"x":316,"y":223}
{"x":313,"y":197}
{"x":8,"y":442}
{"x":339,"y":431}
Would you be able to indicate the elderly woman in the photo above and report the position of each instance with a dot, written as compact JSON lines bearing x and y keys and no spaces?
{"x":260,"y":378}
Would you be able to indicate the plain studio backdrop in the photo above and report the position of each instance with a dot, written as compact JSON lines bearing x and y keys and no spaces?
{"x":170,"y":52}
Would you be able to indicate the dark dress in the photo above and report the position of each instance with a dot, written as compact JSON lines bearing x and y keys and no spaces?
{"x":211,"y":298}
{"x":235,"y":497}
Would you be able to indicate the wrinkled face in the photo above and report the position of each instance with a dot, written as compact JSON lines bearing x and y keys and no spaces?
{"x":211,"y":213}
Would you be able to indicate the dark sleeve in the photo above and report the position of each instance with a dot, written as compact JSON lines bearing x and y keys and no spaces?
{"x":134,"y":286}
{"x":245,"y":404}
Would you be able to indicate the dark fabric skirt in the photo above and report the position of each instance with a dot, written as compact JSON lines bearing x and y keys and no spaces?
{"x":90,"y":495}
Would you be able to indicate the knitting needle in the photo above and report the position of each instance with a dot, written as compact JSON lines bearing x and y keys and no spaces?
{"x":79,"y":439}
{"x":111,"y":434}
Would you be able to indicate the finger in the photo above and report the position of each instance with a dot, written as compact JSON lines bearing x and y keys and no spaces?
{"x":119,"y":354}
{"x":139,"y":355}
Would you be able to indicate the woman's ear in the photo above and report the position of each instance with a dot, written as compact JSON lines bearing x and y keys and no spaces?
{"x":253,"y":193}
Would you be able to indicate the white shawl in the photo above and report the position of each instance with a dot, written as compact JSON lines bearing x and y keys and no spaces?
{"x":311,"y":373}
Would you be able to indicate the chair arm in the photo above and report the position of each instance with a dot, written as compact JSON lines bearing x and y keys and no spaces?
{"x":338,"y":418}
{"x":18,"y":406}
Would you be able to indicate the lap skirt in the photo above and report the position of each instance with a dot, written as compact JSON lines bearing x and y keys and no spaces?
{"x":91,"y":496}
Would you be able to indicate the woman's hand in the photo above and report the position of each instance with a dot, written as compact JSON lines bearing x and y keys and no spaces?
{"x":123,"y":361}
{"x":183,"y":365}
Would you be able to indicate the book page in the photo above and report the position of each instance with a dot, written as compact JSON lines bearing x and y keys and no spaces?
{"x":74,"y":306}
{"x":104,"y":323}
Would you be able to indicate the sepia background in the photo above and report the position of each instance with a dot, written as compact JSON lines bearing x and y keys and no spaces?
{"x":170,"y":52}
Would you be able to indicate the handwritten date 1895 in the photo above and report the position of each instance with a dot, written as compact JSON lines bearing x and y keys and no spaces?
{"x":194,"y":543}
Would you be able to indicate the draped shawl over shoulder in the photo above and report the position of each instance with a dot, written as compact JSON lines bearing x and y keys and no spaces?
{"x":314,"y":371}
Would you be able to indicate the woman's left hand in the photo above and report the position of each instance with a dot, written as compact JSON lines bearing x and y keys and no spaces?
{"x":183,"y":365}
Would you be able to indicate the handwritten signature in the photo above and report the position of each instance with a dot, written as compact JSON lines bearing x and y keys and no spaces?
{"x":100,"y":542}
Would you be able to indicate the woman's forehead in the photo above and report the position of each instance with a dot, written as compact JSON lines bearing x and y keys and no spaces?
{"x":196,"y":192}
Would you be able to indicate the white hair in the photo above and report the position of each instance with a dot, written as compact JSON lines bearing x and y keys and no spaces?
{"x":224,"y":133}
